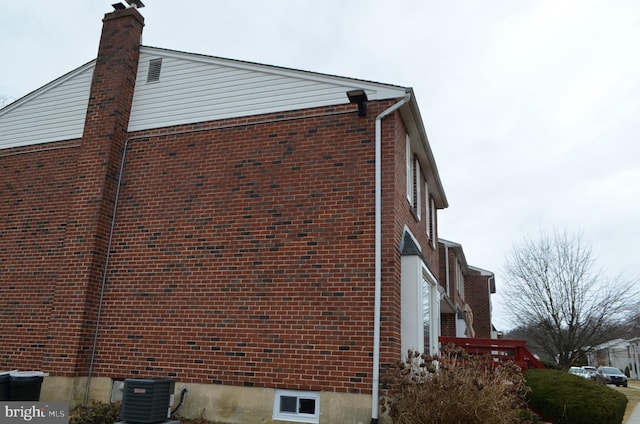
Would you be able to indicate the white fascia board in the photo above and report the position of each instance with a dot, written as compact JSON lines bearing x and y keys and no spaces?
{"x":415,"y":126}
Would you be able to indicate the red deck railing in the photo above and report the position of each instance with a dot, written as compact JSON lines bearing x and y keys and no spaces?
{"x":500,"y":350}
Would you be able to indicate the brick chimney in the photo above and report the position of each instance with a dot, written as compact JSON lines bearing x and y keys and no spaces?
{"x":76,"y":300}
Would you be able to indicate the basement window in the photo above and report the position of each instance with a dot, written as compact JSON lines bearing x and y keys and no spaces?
{"x":155,"y":65}
{"x":296,"y":406}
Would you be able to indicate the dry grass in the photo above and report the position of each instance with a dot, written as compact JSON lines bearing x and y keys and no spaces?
{"x":633,"y":396}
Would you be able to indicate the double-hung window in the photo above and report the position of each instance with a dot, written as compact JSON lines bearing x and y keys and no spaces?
{"x":418,"y":200}
{"x":431,"y":220}
{"x":459,"y":280}
{"x":414,"y":181}
{"x":427,"y":210}
{"x":409,"y":170}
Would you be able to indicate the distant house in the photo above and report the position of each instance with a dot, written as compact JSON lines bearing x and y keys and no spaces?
{"x":466,"y":301}
{"x":620,"y":353}
{"x":266,"y":236}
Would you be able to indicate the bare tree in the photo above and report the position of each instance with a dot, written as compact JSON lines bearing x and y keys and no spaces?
{"x":553,"y":290}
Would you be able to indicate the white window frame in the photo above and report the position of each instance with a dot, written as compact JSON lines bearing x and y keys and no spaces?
{"x":427,"y":209}
{"x":418,"y":202}
{"x":433,"y":297}
{"x":409,"y":170}
{"x":459,"y":279}
{"x":432,"y":221}
{"x":297,"y":417}
{"x":418,"y":285}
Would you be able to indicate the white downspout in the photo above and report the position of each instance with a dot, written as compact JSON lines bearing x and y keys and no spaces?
{"x":375,"y":389}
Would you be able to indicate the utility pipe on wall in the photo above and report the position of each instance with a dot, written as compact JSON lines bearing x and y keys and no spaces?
{"x":104,"y":273}
{"x":375,"y":389}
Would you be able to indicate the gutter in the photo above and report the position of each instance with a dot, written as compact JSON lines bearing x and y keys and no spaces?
{"x":375,"y":389}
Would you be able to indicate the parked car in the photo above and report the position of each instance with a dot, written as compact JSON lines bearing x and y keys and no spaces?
{"x":592,"y":372}
{"x":579,"y":372}
{"x":612,"y":375}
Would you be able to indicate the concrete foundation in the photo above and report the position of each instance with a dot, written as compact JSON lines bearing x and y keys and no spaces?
{"x":221,"y":404}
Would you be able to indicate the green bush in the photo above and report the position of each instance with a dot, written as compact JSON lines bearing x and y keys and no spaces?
{"x":569,"y":399}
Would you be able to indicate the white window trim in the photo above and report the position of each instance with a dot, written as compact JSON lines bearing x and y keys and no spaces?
{"x":432,"y":221}
{"x":434,"y":309}
{"x":427,"y":209}
{"x":414,"y":274}
{"x":409,"y":170}
{"x":296,"y":417}
{"x":418,"y":191}
{"x":459,"y":280}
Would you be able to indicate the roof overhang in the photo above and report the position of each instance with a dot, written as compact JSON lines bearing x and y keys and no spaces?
{"x":446,"y":305}
{"x":420,"y":142}
{"x":457,"y":248}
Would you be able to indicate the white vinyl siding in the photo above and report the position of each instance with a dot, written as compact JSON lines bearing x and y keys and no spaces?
{"x":194,"y":88}
{"x":55,"y":112}
{"x":189,"y":88}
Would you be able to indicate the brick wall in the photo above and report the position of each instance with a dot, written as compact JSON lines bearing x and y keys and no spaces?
{"x":35,"y":186}
{"x":448,"y":325}
{"x":243,"y":255}
{"x":477,"y":295}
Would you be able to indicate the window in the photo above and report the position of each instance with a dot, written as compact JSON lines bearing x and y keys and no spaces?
{"x":432,"y":221}
{"x":409,"y":165}
{"x":426,"y":314}
{"x":427,"y":209}
{"x":419,"y":301}
{"x":418,"y":201}
{"x":459,"y":279}
{"x":431,"y":311}
{"x":296,"y":406}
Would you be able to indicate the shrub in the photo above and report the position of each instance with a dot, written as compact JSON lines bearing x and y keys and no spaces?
{"x":96,"y":413}
{"x":565,"y":398}
{"x":465,"y":389}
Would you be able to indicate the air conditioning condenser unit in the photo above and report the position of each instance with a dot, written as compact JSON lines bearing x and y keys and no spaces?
{"x":147,"y":401}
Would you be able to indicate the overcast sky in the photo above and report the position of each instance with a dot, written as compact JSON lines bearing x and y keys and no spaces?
{"x":532,"y":108}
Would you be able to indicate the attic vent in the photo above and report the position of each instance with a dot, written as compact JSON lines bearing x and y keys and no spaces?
{"x":155,"y":65}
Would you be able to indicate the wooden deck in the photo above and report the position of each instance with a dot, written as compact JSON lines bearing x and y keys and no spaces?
{"x":500,"y":350}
